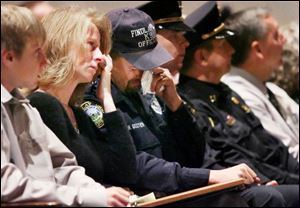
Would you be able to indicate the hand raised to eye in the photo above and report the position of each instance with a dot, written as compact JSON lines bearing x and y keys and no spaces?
{"x":106,"y":64}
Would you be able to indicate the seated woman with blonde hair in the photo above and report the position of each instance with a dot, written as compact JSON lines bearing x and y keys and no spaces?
{"x":77,"y":41}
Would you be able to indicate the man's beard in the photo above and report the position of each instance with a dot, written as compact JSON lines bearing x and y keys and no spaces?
{"x":130,"y":89}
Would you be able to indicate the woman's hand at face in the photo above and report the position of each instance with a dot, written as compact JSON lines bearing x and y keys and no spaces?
{"x":106,"y":64}
{"x":104,"y":88}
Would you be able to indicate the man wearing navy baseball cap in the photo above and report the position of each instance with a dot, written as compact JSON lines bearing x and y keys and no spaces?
{"x":134,"y":38}
{"x":243,"y":138}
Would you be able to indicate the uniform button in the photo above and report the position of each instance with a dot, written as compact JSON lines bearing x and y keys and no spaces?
{"x":246,"y":108}
{"x":235,"y":100}
{"x":213,"y":98}
{"x":193,"y":111}
{"x":230,"y":120}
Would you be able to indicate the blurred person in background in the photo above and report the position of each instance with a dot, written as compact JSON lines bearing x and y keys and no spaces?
{"x":258,"y":53}
{"x":38,"y":8}
{"x":287,"y":76}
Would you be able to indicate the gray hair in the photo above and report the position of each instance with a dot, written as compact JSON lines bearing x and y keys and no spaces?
{"x":248,"y":27}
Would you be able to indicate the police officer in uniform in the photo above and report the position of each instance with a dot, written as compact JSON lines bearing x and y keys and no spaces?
{"x":168,"y":20}
{"x":157,"y":174}
{"x":170,"y":27}
{"x":243,"y":137}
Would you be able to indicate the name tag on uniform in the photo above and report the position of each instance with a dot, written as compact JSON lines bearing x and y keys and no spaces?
{"x":136,"y":126}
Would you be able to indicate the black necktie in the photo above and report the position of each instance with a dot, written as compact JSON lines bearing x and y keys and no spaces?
{"x":273,"y":100}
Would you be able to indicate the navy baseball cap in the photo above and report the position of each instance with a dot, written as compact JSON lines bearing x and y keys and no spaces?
{"x":207,"y":23}
{"x":166,"y":15}
{"x":134,"y":37}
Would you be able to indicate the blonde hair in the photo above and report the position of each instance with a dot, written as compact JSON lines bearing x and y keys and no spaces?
{"x":67,"y":30}
{"x":18,"y":26}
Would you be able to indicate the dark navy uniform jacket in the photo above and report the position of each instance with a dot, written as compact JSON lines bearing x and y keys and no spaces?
{"x":154,"y":173}
{"x":237,"y":133}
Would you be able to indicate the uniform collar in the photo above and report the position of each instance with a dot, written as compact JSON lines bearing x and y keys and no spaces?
{"x":208,"y":92}
{"x":14,"y":97}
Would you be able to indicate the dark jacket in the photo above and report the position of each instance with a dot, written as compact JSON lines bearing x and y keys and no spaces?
{"x":108,"y":154}
{"x":237,"y":132}
{"x":154,"y":173}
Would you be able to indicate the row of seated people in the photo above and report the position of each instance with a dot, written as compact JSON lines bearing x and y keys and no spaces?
{"x":209,"y":137}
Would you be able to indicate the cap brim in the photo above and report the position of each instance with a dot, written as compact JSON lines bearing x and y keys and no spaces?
{"x":195,"y":39}
{"x":178,"y":26}
{"x":224,"y":34}
{"x":148,"y":59}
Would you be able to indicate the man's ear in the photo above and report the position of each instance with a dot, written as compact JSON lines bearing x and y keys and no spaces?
{"x":256,"y":48}
{"x":7,"y":56}
{"x":201,"y":56}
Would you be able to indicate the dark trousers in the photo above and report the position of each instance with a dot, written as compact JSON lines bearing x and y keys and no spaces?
{"x":253,"y":196}
{"x":272,"y":196}
{"x":290,"y":194}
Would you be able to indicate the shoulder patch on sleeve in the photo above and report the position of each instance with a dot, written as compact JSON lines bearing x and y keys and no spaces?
{"x":95,"y":112}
